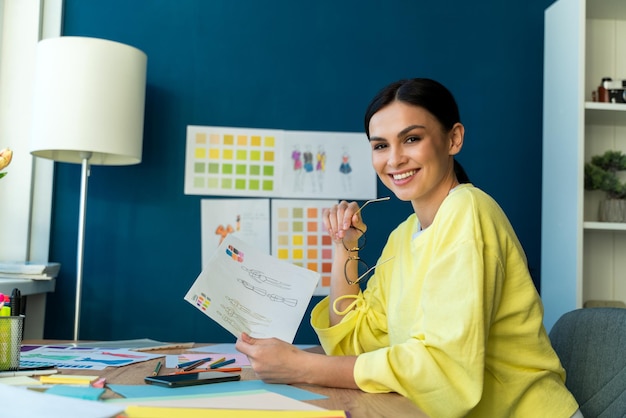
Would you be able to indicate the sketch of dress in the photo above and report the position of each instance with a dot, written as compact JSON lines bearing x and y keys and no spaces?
{"x":296,"y":156}
{"x":346,"y":169}
{"x":320,"y":167}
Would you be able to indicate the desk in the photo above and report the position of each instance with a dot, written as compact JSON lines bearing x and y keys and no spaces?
{"x":35,"y":292}
{"x":358,"y":403}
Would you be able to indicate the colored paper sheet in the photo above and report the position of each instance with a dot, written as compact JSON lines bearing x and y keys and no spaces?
{"x":245,"y":290}
{"x":257,"y":399}
{"x":147,"y":391}
{"x":19,"y":381}
{"x":156,"y":412}
{"x":67,"y":379}
{"x":88,"y":393}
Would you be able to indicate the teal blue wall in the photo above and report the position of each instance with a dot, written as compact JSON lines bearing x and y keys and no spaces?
{"x":289,"y":65}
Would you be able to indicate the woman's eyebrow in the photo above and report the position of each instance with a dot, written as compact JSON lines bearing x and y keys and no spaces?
{"x":409,"y":129}
{"x":400,"y":134}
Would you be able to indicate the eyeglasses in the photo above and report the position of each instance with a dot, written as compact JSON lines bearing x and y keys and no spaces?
{"x":355,"y":266}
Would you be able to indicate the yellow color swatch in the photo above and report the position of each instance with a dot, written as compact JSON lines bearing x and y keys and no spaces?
{"x":200,"y":153}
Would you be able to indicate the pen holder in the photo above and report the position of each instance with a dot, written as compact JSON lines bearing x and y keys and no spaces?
{"x":11,"y":331}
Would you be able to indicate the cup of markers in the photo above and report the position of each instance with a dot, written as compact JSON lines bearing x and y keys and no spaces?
{"x":11,"y":331}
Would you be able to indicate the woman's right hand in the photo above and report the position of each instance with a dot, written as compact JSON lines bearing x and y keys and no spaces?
{"x":341,"y":220}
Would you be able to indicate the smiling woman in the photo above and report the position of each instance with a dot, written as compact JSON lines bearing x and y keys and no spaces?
{"x":453,"y":321}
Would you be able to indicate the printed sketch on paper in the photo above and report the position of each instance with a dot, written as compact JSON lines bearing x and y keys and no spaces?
{"x":245,"y":290}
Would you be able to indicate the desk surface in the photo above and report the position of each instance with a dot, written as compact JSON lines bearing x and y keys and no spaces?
{"x":358,"y":403}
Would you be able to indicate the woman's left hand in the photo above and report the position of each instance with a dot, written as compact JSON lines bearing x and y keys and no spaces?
{"x":274,"y":360}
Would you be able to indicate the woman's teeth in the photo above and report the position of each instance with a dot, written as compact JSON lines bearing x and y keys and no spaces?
{"x":403,"y":175}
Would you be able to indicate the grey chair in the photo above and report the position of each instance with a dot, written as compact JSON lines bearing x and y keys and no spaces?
{"x":591,"y":343}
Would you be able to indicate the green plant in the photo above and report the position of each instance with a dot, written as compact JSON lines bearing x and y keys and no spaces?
{"x":601,"y":174}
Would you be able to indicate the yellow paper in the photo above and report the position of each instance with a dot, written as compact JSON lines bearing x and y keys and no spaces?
{"x":160,"y":412}
{"x":67,"y":379}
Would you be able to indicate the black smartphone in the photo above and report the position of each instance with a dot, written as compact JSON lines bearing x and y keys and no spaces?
{"x":191,"y":379}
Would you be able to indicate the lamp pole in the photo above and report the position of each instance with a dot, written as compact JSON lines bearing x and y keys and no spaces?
{"x":84,"y":180}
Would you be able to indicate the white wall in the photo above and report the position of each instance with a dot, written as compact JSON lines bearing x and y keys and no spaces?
{"x":26,"y":192}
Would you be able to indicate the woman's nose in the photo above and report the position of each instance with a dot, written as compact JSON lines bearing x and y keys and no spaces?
{"x":396,"y":157}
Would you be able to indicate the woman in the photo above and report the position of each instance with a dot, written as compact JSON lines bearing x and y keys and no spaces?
{"x":453,"y":320}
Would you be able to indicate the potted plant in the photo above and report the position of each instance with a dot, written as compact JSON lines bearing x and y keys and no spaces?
{"x":601,"y":173}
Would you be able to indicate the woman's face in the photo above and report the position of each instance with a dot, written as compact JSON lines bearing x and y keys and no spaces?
{"x":412,"y":154}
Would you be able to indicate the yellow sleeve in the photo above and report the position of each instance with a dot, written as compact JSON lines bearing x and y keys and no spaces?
{"x":441,"y":366}
{"x":362,"y":329}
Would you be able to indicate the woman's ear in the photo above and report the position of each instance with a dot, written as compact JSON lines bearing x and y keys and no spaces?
{"x":457,"y":133}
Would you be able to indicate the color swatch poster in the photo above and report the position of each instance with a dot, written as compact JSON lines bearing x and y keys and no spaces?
{"x":247,"y":162}
{"x":232,"y":161}
{"x":299,"y":237}
{"x":248,"y":219}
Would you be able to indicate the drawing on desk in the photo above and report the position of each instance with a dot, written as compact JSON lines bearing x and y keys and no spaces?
{"x":239,"y":305}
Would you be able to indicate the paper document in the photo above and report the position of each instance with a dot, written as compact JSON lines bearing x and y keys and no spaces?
{"x":24,"y":403}
{"x":246,"y":290}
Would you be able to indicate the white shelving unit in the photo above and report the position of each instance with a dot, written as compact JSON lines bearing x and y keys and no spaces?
{"x":581,"y":259}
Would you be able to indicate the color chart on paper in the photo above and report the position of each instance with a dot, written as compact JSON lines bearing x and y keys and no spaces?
{"x":299,"y":237}
{"x":232,"y":161}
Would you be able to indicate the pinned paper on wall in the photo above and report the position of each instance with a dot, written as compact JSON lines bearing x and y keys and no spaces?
{"x":299,"y":237}
{"x":248,"y":219}
{"x":245,"y":290}
{"x":250,"y":162}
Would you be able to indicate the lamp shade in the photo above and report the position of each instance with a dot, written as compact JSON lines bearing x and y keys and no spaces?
{"x":89,"y":97}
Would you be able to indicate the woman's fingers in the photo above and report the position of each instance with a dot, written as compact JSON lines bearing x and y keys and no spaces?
{"x":339,"y":218}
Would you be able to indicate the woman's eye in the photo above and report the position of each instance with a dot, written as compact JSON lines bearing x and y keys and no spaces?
{"x":413,"y":139}
{"x":378,"y":146}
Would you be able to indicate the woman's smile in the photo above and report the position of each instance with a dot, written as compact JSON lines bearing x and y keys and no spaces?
{"x":404,"y":177}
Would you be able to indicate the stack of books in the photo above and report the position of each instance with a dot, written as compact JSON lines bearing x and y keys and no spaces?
{"x":29,"y":270}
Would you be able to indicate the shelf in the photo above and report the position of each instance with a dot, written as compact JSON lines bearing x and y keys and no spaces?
{"x":605,"y":226}
{"x":598,"y":113}
{"x":618,"y":107}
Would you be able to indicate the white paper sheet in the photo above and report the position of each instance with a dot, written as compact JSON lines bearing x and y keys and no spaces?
{"x":245,"y":290}
{"x":24,"y":403}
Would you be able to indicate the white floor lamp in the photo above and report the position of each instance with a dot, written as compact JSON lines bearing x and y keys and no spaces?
{"x":88,"y":108}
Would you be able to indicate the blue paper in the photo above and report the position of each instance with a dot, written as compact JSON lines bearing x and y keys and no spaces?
{"x":80,"y":392}
{"x":151,"y":391}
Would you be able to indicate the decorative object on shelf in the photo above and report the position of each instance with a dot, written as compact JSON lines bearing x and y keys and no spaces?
{"x":601,"y":173}
{"x":611,"y":91}
{"x":5,"y":159}
{"x":89,"y":97}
